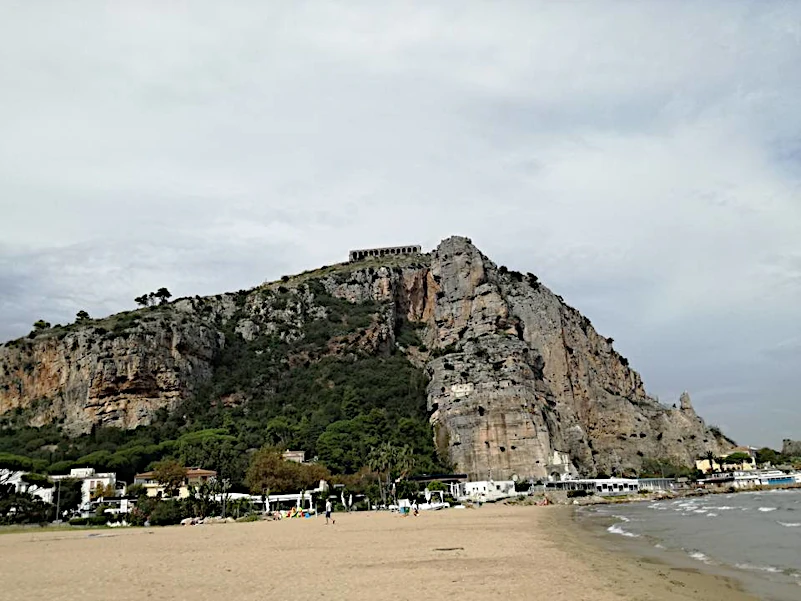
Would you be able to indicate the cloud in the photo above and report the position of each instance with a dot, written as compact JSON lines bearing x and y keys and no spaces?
{"x":640,"y":158}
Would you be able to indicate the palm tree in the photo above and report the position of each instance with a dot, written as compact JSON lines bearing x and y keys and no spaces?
{"x":710,"y":456}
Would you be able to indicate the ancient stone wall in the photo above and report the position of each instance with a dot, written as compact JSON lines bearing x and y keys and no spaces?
{"x":791,"y":447}
{"x":358,"y":255}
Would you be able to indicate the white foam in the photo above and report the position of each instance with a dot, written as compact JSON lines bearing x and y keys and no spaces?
{"x":753,"y":568}
{"x":767,"y":509}
{"x":615,"y":529}
{"x":789,"y":524}
{"x":711,"y":515}
{"x":697,"y":555}
{"x":622,"y":518}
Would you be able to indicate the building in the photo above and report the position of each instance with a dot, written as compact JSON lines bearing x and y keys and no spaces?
{"x":560,"y":467}
{"x":194,"y":476}
{"x":90,"y":482}
{"x":15,"y":478}
{"x":791,"y":448}
{"x":598,"y":486}
{"x":484,"y":490}
{"x":296,"y":456}
{"x":658,"y":484}
{"x":725,"y":464}
{"x":366,"y":253}
{"x":751,"y":479}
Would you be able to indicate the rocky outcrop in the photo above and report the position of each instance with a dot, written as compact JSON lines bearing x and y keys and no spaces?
{"x":520,"y":383}
{"x":92,"y":375}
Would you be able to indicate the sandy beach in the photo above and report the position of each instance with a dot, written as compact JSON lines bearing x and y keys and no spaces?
{"x":495,"y":552}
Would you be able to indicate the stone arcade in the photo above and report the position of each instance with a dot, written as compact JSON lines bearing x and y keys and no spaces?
{"x":358,"y":255}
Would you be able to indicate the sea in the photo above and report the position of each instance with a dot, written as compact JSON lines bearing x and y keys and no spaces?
{"x":754,"y":537}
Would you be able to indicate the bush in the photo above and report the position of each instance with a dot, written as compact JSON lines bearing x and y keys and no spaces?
{"x":94,"y":520}
{"x":167,"y":513}
{"x":572,"y":494}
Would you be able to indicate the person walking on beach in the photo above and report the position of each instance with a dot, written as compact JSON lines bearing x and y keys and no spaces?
{"x":328,"y":509}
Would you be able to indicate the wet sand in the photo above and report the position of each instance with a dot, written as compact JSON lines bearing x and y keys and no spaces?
{"x":511,"y":553}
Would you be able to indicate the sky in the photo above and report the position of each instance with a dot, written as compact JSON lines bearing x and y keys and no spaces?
{"x":643,"y":159}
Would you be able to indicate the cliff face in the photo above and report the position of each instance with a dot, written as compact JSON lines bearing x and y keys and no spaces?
{"x":520,"y":383}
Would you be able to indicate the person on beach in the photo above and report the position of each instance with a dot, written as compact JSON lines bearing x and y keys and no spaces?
{"x":414,"y":508}
{"x":328,"y":508}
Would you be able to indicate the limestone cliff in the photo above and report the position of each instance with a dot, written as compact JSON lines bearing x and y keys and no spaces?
{"x":520,"y":383}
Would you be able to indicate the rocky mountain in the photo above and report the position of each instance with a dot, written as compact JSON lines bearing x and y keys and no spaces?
{"x":519,"y":383}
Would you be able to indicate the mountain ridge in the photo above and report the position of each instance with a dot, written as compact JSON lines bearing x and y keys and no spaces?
{"x":519,"y":383}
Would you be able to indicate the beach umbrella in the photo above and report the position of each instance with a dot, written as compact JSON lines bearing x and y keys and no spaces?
{"x":267,"y":504}
{"x":342,"y":496}
{"x":428,"y":495}
{"x":300,"y":500}
{"x":350,"y":502}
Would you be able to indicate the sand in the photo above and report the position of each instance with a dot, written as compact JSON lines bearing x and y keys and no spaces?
{"x":495,"y":552}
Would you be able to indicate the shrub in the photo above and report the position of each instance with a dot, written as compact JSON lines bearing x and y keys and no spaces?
{"x":166,"y":513}
{"x":572,"y":494}
{"x":94,"y":520}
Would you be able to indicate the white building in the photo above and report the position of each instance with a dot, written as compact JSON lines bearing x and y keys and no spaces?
{"x":483,"y":490}
{"x":598,"y":486}
{"x":90,"y":481}
{"x":15,"y":478}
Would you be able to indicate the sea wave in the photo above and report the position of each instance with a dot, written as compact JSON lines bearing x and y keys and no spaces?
{"x":697,"y":555}
{"x":767,"y":509}
{"x":789,"y":524}
{"x":615,"y":529}
{"x":754,"y":568}
{"x":622,"y":518}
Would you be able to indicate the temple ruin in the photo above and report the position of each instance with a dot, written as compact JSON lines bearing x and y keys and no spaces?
{"x":366,"y":253}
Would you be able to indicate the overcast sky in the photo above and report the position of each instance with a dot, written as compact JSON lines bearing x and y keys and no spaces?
{"x":644,"y":159}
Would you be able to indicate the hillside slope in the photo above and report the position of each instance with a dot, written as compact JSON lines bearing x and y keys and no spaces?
{"x":518,"y":383}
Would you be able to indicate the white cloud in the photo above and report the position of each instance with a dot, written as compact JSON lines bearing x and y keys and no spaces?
{"x":641,"y":158}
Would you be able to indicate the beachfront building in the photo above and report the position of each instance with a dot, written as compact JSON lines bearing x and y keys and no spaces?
{"x":752,"y":479}
{"x":598,"y":486}
{"x":15,"y":478}
{"x":658,"y":484}
{"x":454,"y":482}
{"x":484,"y":490}
{"x":91,"y":481}
{"x":194,"y":476}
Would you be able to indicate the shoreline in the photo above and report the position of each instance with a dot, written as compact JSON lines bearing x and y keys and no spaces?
{"x":629,"y":568}
{"x":517,"y":553}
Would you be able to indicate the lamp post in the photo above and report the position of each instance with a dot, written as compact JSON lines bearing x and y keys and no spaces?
{"x":58,"y":501}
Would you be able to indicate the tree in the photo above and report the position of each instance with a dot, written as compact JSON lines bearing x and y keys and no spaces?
{"x":163,"y":295}
{"x":268,"y":472}
{"x":171,"y":475}
{"x":142,"y":301}
{"x":69,"y":496}
{"x":710,"y":457}
{"x":767,"y":455}
{"x":136,"y":490}
{"x":41,"y":325}
{"x":738,"y":457}
{"x":81,"y":316}
{"x":104,"y":490}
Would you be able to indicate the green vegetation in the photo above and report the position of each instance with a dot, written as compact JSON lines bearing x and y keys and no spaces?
{"x":310,"y":382}
{"x":664,"y":468}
